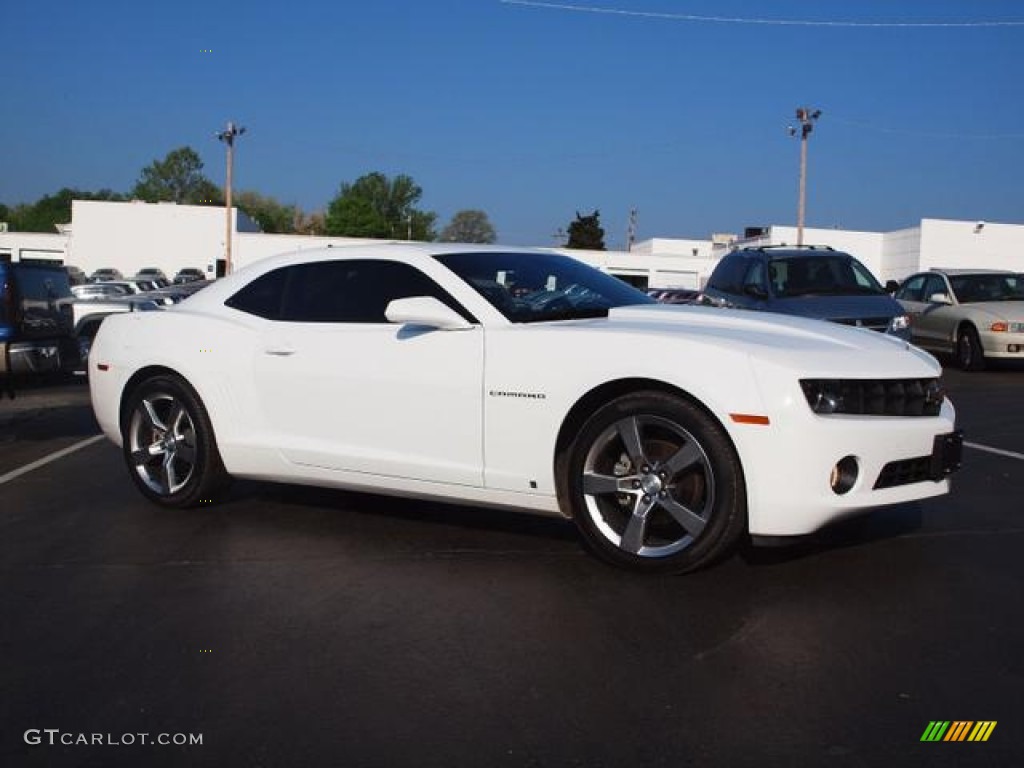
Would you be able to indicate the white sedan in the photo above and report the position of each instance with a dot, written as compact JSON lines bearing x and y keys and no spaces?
{"x":522,"y":379}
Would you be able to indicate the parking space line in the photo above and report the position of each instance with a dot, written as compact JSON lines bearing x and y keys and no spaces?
{"x":47,"y":459}
{"x":997,"y":451}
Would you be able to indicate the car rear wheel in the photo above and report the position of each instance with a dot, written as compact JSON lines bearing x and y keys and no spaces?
{"x":654,"y":484}
{"x":169,"y":445}
{"x":969,"y":354}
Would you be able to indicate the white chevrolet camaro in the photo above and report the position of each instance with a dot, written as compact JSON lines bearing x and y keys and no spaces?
{"x":523,"y":379}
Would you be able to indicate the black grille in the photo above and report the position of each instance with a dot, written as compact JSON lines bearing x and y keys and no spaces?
{"x":905,"y":472}
{"x":874,"y":397}
{"x":874,"y":323}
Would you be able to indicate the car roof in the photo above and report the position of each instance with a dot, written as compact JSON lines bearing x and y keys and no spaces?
{"x":791,"y":251}
{"x":952,"y":272}
{"x":414,"y":253}
{"x":397,"y":250}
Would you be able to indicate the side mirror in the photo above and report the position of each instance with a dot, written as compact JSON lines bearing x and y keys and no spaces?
{"x":891,"y":286}
{"x":939,"y":298}
{"x":425,"y":311}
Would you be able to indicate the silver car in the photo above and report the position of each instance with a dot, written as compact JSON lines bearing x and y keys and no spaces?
{"x":970,"y":314}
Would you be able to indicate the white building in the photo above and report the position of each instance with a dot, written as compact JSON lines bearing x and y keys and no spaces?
{"x":130,"y":236}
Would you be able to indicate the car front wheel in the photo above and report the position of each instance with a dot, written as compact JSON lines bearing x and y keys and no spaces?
{"x":969,"y":355}
{"x":169,"y":445}
{"x":654,"y":484}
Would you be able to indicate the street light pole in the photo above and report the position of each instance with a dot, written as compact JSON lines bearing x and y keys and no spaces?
{"x":228,"y":136}
{"x":807,"y":118}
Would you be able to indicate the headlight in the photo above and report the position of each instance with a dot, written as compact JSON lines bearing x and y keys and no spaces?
{"x":874,"y":397}
{"x":899,"y":323}
{"x":1001,"y":327}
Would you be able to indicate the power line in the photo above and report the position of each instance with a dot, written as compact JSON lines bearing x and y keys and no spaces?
{"x":767,"y":22}
{"x":927,"y":134}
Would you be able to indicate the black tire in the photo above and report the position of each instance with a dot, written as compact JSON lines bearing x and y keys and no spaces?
{"x":654,"y":484}
{"x":169,"y":446}
{"x":969,"y":354}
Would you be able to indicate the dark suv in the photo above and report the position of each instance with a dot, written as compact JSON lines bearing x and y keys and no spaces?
{"x":36,"y":332}
{"x":811,"y":281}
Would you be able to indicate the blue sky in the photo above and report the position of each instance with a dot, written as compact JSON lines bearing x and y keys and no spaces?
{"x":532,"y":112}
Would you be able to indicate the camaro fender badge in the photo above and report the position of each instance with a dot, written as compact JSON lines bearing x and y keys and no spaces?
{"x":518,"y":395}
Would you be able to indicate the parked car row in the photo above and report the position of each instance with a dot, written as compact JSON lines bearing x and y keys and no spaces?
{"x":48,"y":316}
{"x":969,"y":315}
{"x":674,"y":295}
{"x":146,"y":274}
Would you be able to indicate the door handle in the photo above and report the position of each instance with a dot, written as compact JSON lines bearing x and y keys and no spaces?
{"x":279,"y":349}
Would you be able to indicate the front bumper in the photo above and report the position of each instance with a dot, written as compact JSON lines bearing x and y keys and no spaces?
{"x":31,"y":358}
{"x":790,"y":466}
{"x":1008,"y":346}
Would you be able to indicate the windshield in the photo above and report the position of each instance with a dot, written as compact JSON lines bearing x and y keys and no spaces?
{"x":821,"y":274}
{"x":970,"y":289}
{"x":533,"y":287}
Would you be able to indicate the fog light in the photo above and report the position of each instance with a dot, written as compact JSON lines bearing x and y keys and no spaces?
{"x":1013,"y":348}
{"x":844,"y":475}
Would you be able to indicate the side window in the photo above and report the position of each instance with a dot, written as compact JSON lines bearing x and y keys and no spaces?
{"x":911,"y":289}
{"x":355,"y":291}
{"x":932,"y":285}
{"x":755,"y":274}
{"x":728,"y":275}
{"x":262,"y":297}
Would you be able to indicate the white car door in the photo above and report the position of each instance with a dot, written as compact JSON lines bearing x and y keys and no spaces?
{"x":342,"y":390}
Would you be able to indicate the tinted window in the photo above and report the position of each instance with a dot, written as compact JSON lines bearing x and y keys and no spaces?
{"x":988,"y":287}
{"x":44,"y":285}
{"x":911,"y":290}
{"x":5,"y":293}
{"x":728,"y":275}
{"x":755,"y":274}
{"x":355,"y":291}
{"x":262,"y":297}
{"x":933,"y":284}
{"x":822,"y":274}
{"x":343,"y":291}
{"x":39,"y":291}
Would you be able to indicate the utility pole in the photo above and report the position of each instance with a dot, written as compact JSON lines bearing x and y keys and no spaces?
{"x":631,"y":230}
{"x":228,"y":136}
{"x":807,"y":118}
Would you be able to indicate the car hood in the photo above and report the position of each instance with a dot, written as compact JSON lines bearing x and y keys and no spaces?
{"x":809,"y":345}
{"x":833,"y":307}
{"x":1010,"y":311}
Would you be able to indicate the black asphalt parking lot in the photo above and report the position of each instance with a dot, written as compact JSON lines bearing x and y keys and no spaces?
{"x":302,"y":627}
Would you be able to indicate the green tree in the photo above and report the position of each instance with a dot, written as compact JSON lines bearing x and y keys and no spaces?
{"x":378,"y":207}
{"x":271,"y":215}
{"x":177,"y":178}
{"x":586,"y":232}
{"x":469,"y":226}
{"x":50,"y":210}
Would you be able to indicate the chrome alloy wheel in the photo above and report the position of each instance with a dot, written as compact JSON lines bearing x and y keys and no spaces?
{"x":162,"y":443}
{"x":648,"y":486}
